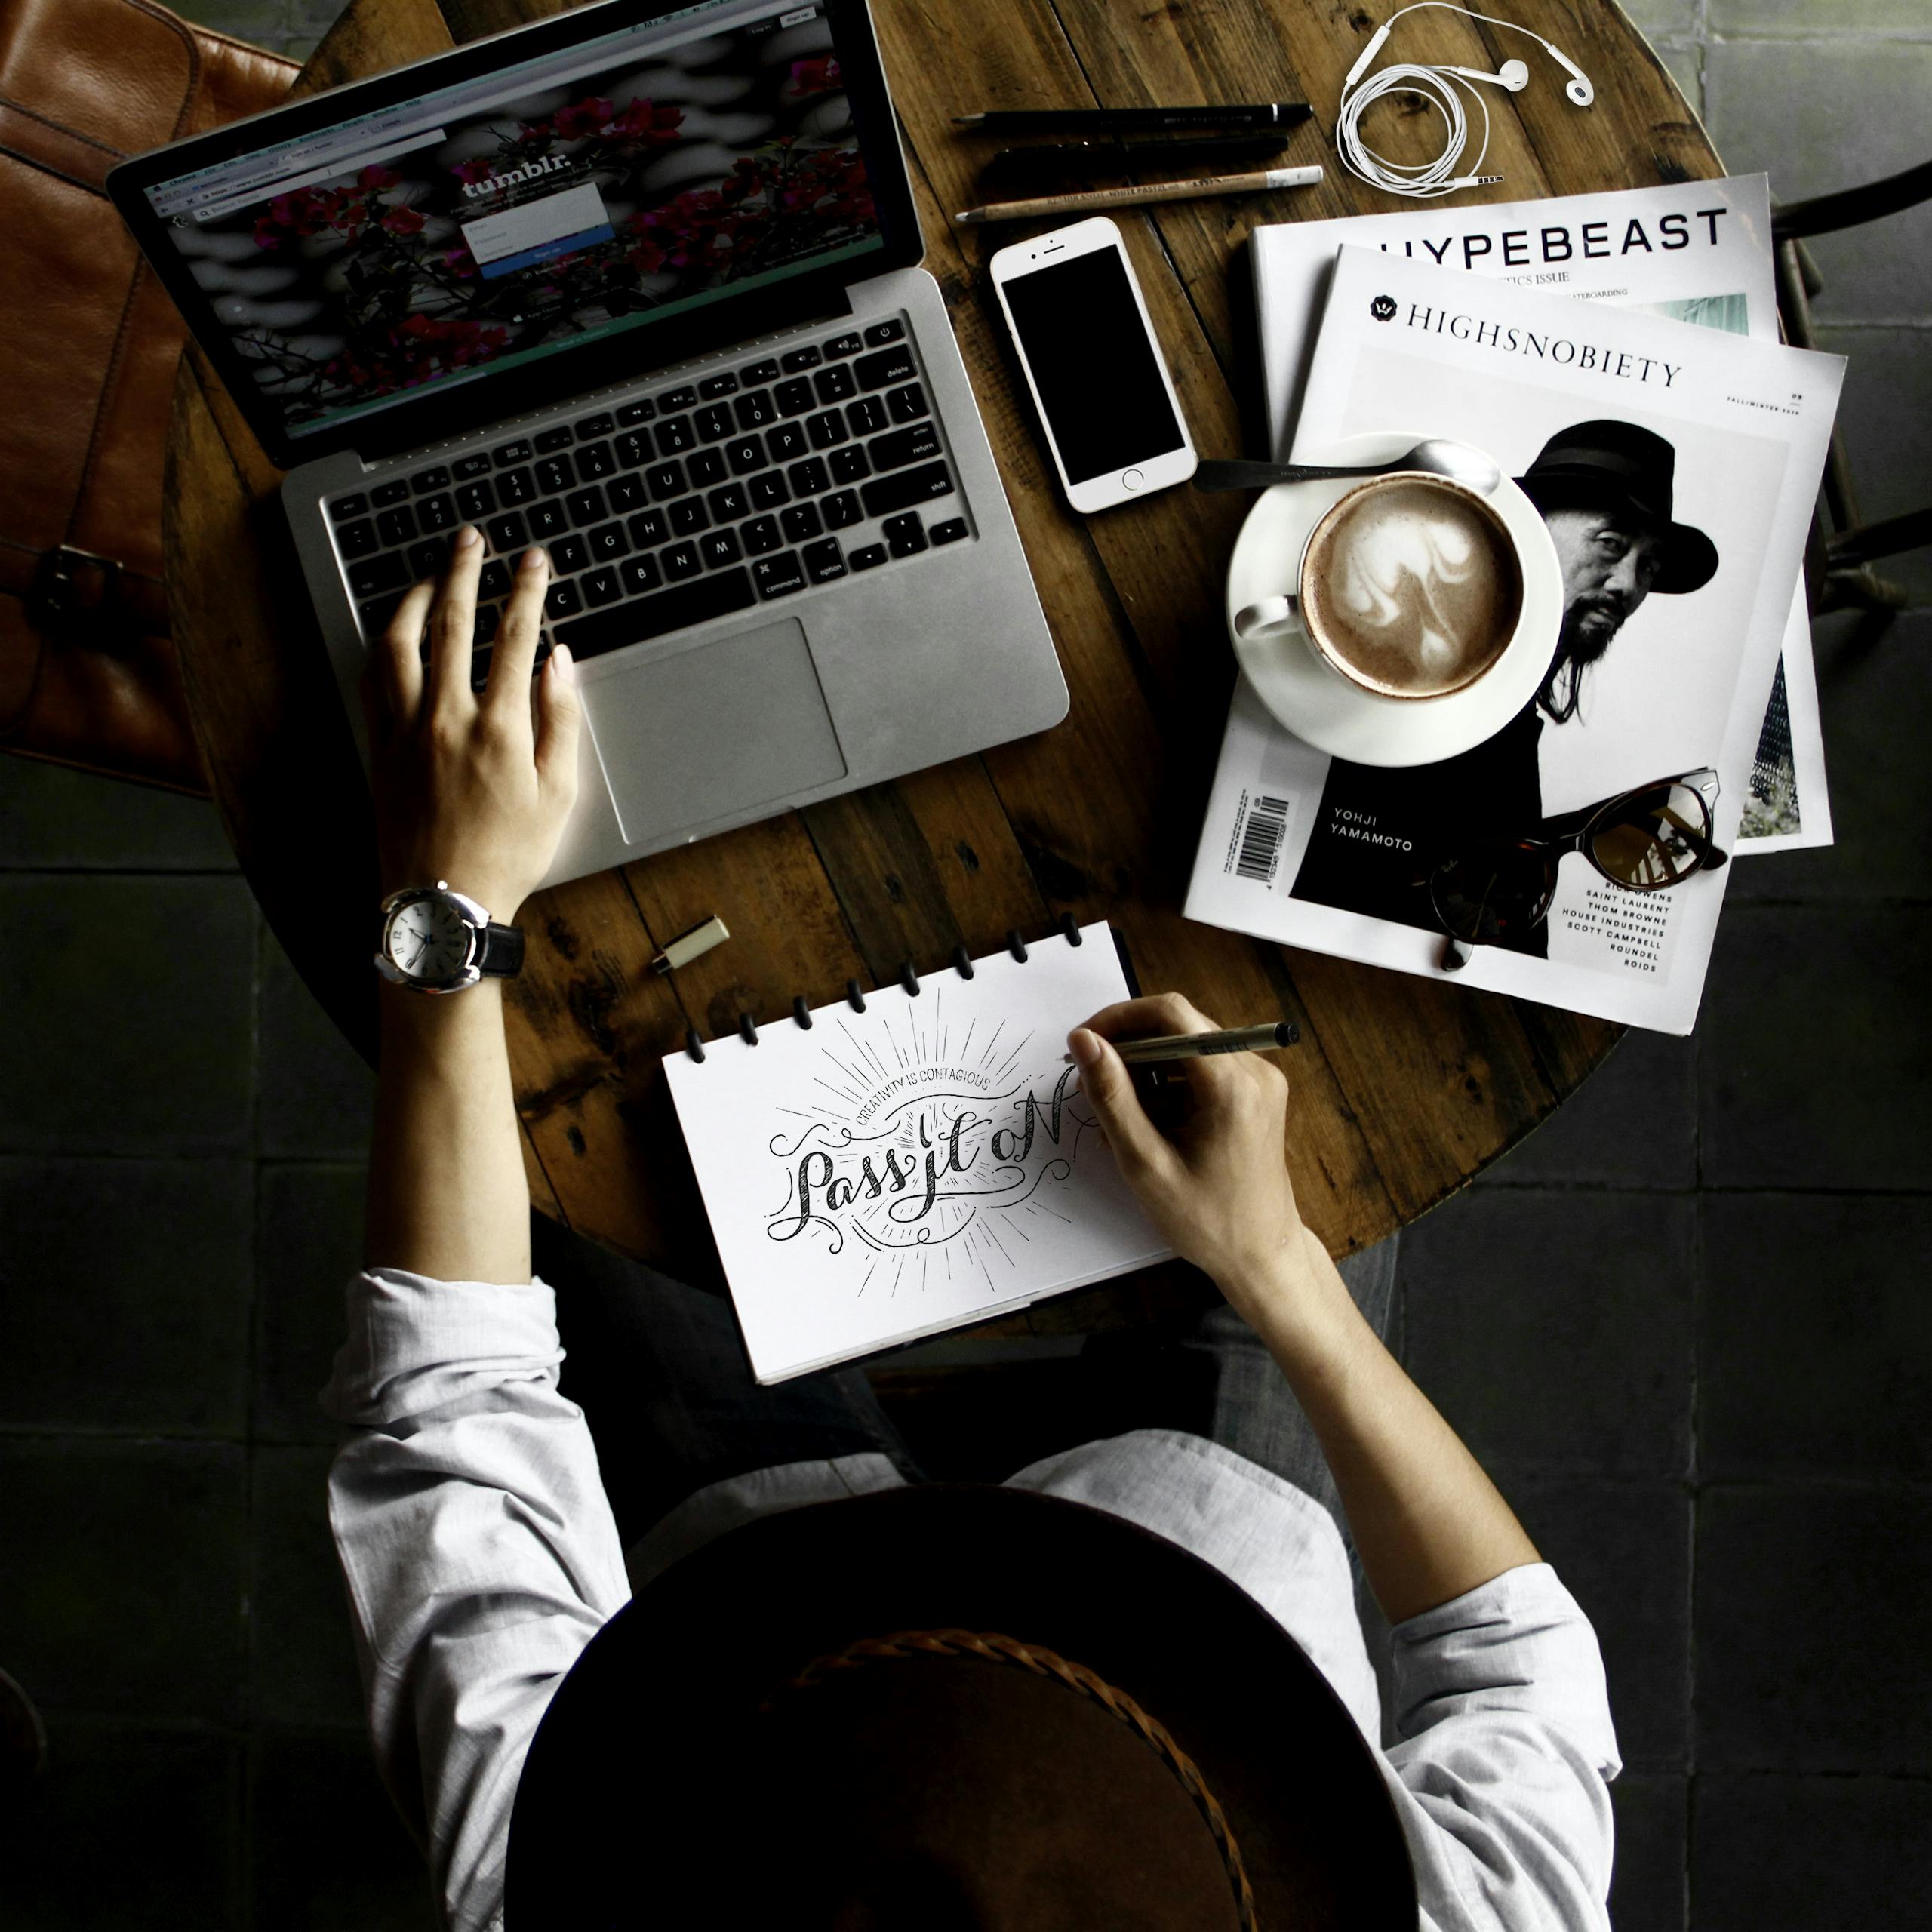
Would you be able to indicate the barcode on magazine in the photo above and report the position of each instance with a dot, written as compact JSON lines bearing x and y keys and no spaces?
{"x":1258,"y":850}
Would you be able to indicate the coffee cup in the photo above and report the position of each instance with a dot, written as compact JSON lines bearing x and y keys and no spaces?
{"x":1409,"y":587}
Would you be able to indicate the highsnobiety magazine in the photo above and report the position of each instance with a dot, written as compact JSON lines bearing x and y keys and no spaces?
{"x":1699,"y":251}
{"x":1316,"y":852}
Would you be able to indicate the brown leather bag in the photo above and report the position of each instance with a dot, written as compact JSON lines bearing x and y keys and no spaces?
{"x":88,"y":674}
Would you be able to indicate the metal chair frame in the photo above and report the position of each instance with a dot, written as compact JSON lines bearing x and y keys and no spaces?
{"x":1843,"y":547}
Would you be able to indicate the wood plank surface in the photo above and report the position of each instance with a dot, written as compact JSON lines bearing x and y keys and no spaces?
{"x":1405,"y":1087}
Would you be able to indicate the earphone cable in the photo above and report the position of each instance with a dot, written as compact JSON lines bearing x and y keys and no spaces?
{"x":1439,"y":86}
{"x":1419,"y":180}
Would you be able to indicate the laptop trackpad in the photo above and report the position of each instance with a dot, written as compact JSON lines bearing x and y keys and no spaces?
{"x":716,"y":729}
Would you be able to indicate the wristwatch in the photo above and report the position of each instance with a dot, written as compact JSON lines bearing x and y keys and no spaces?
{"x":437,"y":941}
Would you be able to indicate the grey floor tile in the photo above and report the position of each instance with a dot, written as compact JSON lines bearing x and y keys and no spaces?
{"x":302,"y":1660}
{"x":123,"y":1591}
{"x":308,"y":21}
{"x":316,"y":1090}
{"x":1662,"y":19}
{"x":1633,"y":1123}
{"x":132,"y":1826}
{"x":1624,"y":1551}
{"x":1886,"y":402}
{"x":1814,"y":1337}
{"x":128,"y":1003}
{"x":327,"y":1850}
{"x":123,"y":1295}
{"x":1811,"y":1613}
{"x":310,"y":1238}
{"x":1873,"y":698}
{"x":265,"y":23}
{"x":1554,"y":1330}
{"x":1793,"y":1854}
{"x":1648,"y":1888}
{"x":1828,"y":113}
{"x":1811,"y":18}
{"x":1814,"y":1055}
{"x":57,"y":818}
{"x":1686,"y":64}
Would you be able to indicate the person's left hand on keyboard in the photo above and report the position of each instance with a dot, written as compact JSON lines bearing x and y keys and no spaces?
{"x":468,"y":787}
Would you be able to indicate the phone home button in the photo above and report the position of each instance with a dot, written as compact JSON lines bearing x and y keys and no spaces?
{"x":1132,"y":479}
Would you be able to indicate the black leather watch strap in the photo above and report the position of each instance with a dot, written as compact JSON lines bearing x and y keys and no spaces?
{"x":501,"y":956}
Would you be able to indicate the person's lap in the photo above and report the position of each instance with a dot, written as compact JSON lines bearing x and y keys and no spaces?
{"x":658,"y":1368}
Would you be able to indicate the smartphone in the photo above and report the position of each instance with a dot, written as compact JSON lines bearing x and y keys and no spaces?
{"x":1075,"y":311}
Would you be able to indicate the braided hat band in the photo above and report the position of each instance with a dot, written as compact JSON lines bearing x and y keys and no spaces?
{"x":995,"y":1648}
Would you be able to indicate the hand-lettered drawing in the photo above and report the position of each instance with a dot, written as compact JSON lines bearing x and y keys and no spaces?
{"x":918,"y":1147}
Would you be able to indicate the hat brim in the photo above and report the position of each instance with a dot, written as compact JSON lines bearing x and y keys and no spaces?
{"x":1689,"y":557}
{"x":627,"y":1775}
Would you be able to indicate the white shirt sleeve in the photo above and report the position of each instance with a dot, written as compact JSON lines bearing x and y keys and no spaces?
{"x":1505,"y":1752}
{"x":478,"y":1547}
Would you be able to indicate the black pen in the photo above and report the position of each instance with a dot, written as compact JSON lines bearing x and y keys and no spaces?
{"x":1194,"y":1046}
{"x":1051,"y":160}
{"x":1133,"y":120}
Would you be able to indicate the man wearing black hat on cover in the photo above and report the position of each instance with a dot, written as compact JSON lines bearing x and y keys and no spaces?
{"x":1605,"y":491}
{"x":731,"y":1662}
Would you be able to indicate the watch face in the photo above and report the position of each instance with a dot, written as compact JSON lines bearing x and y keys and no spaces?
{"x":428,"y":940}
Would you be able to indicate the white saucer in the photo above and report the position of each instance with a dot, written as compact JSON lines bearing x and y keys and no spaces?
{"x":1321,"y":706}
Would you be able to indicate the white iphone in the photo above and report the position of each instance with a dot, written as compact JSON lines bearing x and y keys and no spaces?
{"x":1075,"y":311}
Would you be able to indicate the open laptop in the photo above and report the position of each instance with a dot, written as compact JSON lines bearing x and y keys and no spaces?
{"x":639,"y":283}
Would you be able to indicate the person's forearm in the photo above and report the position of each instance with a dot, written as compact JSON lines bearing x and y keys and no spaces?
{"x":1429,"y":1523}
{"x":448,"y":1194}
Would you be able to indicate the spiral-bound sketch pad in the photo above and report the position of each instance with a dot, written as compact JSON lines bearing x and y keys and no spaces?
{"x":926,"y":1161}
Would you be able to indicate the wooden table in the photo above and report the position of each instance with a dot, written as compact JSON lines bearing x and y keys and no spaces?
{"x":1405,"y":1086}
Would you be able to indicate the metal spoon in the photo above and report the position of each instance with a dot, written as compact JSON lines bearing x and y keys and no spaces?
{"x":1457,"y":461}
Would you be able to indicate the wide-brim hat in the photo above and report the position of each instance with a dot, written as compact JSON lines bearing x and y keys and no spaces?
{"x":946,"y":1707}
{"x":1611,"y":463}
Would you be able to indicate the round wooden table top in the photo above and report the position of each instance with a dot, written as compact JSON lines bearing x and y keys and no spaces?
{"x":1405,"y":1086}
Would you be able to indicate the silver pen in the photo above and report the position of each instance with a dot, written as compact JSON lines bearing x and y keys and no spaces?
{"x":1195,"y":1046}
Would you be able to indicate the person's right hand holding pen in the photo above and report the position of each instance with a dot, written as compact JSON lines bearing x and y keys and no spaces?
{"x":1429,"y":1523}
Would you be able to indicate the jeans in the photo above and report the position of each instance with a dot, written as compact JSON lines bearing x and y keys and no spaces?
{"x":658,"y":1369}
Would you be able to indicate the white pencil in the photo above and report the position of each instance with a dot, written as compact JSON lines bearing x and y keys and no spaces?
{"x":1196,"y":189}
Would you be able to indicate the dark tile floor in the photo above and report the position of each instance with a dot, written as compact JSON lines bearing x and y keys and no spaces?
{"x":1686,"y":1324}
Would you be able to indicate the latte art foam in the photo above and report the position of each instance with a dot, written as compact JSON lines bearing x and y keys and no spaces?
{"x":1411,"y":588}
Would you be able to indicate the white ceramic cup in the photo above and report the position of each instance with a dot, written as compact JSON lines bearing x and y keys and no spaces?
{"x":1282,"y":616}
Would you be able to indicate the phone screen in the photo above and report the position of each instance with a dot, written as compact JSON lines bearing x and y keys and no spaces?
{"x":1094,"y":364}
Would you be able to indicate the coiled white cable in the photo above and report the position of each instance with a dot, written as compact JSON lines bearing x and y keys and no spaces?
{"x":1441,"y":88}
{"x":1421,"y":180}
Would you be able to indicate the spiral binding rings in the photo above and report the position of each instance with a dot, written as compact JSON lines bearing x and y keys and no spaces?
{"x":961,"y":963}
{"x":994,"y":1647}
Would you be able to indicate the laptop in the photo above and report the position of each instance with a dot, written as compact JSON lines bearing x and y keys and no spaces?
{"x":640,"y":284}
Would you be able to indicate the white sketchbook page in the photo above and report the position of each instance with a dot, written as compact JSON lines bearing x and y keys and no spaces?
{"x":1698,"y":250}
{"x":929,"y":1162}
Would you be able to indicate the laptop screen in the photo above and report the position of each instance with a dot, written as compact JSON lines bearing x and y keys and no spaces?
{"x":548,"y":206}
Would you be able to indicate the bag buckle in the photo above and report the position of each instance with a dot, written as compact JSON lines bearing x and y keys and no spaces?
{"x":56,"y":601}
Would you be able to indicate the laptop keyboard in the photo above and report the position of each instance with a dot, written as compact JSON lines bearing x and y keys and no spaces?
{"x":737,"y":488}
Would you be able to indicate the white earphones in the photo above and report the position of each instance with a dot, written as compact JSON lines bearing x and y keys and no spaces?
{"x":1444,"y":87}
{"x":1514,"y":74}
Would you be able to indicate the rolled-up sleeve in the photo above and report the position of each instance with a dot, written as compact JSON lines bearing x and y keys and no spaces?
{"x":1504,"y":1753}
{"x":478,"y":1548}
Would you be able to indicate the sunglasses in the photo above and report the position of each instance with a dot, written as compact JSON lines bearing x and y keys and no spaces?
{"x":1643,"y":841}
